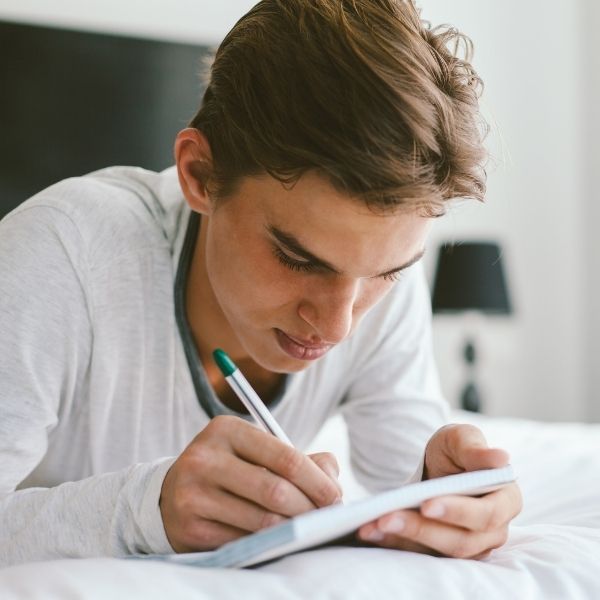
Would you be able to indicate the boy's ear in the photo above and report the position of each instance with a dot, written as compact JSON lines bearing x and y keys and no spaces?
{"x":194,"y":164}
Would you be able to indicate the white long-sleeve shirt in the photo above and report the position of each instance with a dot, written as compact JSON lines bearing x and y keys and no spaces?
{"x":101,"y":388}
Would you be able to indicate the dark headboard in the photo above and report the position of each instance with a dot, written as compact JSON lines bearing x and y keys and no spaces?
{"x":72,"y":102}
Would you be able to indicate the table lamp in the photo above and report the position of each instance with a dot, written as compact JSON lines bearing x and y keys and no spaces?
{"x":469,"y":277}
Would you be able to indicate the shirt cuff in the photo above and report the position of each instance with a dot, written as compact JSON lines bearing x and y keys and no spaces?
{"x":150,"y":518}
{"x":418,"y":474}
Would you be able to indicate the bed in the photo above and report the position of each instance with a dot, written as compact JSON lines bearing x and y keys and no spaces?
{"x":553,"y":549}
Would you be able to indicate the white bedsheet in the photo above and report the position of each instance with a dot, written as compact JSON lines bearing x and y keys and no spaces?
{"x":553,"y":549}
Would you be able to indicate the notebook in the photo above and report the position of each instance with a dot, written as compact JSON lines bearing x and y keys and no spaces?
{"x":325,"y":525}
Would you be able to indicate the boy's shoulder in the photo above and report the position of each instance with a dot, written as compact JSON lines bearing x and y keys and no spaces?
{"x":117,"y":208}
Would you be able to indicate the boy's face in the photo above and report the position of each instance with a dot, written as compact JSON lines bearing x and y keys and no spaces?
{"x":294,"y":270}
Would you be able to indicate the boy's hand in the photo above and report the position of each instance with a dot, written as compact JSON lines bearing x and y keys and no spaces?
{"x":234,"y":479}
{"x":457,"y":526}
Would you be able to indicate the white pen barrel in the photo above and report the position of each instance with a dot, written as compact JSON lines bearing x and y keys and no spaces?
{"x":255,"y":406}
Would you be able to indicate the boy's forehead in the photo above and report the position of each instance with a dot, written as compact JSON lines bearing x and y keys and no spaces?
{"x":310,"y":194}
{"x":314,"y":211}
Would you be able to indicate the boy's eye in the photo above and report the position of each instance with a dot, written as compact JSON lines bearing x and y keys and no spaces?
{"x":394,"y":276}
{"x":307,"y":266}
{"x":290,"y":263}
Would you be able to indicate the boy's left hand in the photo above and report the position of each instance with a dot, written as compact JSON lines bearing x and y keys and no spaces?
{"x":456,"y":526}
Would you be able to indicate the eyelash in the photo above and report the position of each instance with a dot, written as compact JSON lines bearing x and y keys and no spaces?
{"x":308,"y":267}
{"x":290,"y":263}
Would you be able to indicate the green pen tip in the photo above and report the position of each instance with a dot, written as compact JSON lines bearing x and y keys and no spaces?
{"x":224,"y":363}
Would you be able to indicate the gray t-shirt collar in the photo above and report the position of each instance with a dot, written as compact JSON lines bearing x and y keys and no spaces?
{"x":204,"y":392}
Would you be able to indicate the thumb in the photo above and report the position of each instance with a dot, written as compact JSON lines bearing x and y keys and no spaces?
{"x":472,"y":451}
{"x":465,"y":448}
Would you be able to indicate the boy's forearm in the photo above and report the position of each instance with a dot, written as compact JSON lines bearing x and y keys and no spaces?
{"x":112,"y":514}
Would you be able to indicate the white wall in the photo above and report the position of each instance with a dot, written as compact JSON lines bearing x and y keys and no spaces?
{"x":591,"y":211}
{"x":531,"y":55}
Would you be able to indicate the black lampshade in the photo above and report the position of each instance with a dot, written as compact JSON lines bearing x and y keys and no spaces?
{"x":469,"y":276}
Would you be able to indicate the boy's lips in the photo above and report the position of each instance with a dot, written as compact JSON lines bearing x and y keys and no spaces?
{"x":299,"y":349}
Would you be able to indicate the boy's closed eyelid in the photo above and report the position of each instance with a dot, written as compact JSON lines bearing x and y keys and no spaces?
{"x":295,"y":257}
{"x":308,"y":266}
{"x":291,"y":263}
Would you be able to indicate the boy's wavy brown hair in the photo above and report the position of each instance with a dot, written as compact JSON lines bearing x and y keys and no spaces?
{"x":362,"y":92}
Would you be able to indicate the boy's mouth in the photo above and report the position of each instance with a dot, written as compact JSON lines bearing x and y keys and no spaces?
{"x":299,"y":349}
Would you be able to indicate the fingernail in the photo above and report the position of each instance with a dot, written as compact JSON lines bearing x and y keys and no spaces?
{"x":434,"y":510}
{"x":374,"y":536}
{"x":394,"y":525}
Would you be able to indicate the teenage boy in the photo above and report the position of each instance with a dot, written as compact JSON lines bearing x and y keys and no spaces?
{"x":331,"y":134}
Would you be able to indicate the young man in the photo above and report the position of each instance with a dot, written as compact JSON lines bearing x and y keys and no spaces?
{"x":331,"y":133}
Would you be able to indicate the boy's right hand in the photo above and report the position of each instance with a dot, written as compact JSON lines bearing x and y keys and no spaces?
{"x":234,"y":479}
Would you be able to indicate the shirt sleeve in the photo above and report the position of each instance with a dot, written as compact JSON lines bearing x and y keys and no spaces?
{"x":394,"y":403}
{"x":45,"y":348}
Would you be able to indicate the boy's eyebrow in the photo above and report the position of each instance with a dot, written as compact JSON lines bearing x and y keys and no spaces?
{"x":291,"y":243}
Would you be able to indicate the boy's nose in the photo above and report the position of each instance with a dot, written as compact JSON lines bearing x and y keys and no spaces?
{"x":330,"y":313}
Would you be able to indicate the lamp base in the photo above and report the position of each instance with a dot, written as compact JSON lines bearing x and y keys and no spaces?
{"x":469,"y":399}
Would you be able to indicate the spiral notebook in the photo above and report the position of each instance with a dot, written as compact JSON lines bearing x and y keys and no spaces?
{"x":326,"y":525}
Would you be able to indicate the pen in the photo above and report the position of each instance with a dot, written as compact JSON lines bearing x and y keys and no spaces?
{"x":249,"y":398}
